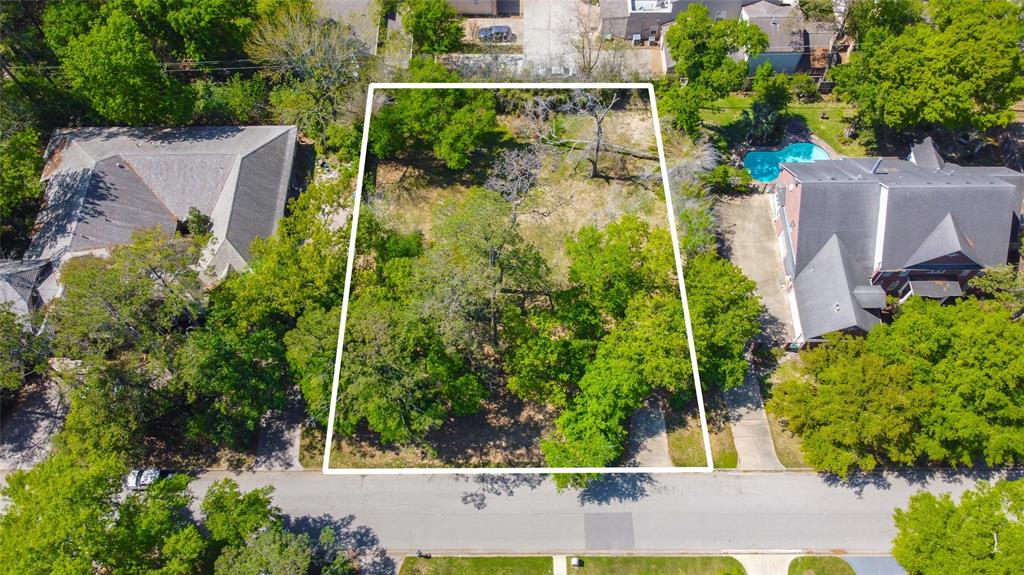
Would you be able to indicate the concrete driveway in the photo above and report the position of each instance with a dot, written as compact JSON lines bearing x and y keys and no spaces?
{"x":548,"y":28}
{"x":750,"y":431}
{"x":751,"y":244}
{"x":26,"y":432}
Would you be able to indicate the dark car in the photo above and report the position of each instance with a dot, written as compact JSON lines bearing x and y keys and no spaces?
{"x":495,"y":34}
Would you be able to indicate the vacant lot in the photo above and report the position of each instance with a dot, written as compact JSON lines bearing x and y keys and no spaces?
{"x":564,"y":199}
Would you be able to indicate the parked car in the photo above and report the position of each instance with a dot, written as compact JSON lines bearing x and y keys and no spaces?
{"x":139,"y":479}
{"x":495,"y":34}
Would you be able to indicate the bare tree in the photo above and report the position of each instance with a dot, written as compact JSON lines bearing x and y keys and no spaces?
{"x":585,"y":40}
{"x":591,"y":104}
{"x":513,"y":174}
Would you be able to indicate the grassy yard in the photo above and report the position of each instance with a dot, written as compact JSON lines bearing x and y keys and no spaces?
{"x":686,"y":442}
{"x":820,"y":565}
{"x":787,"y":445}
{"x":661,"y":566}
{"x":724,"y":113}
{"x":477,"y":566}
{"x":591,"y":566}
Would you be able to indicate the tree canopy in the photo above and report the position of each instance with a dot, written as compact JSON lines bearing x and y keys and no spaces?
{"x":941,"y":384}
{"x":452,"y":124}
{"x":983,"y":533}
{"x":702,"y":49}
{"x":960,"y":68}
{"x":435,"y":25}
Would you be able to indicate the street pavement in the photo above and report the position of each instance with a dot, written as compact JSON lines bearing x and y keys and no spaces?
{"x":737,"y":512}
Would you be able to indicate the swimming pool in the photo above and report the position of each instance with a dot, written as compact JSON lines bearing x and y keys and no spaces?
{"x":764,"y":166}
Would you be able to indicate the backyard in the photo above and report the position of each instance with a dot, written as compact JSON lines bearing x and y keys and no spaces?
{"x":828,"y":119}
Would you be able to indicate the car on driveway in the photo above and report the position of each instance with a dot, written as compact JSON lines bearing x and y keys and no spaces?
{"x":140,"y":479}
{"x":495,"y":34}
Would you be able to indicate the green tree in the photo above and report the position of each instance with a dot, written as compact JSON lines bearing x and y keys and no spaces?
{"x":725,"y":179}
{"x":56,"y":514}
{"x":726,"y":312}
{"x":939,"y":384}
{"x":1003,"y":283}
{"x":231,"y":515}
{"x":131,"y":300}
{"x":231,"y":375}
{"x":270,"y":552}
{"x":397,"y":375}
{"x":20,"y":167}
{"x":613,"y":264}
{"x":310,"y":350}
{"x":772,"y":97}
{"x":702,"y":50}
{"x":452,"y":124}
{"x":211,"y":29}
{"x":152,"y":532}
{"x":984,"y":533}
{"x":961,"y":69}
{"x":870,"y":20}
{"x":113,"y":66}
{"x":435,"y":25}
{"x":320,"y":67}
{"x":22,"y":352}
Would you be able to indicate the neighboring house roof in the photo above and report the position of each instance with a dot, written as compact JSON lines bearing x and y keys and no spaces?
{"x":782,"y":23}
{"x":106,"y":183}
{"x":858,"y":215}
{"x":19,"y":283}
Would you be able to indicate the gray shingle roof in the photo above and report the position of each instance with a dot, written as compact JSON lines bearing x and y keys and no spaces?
{"x":19,"y":283}
{"x":928,"y":209}
{"x":825,"y":292}
{"x":106,"y":183}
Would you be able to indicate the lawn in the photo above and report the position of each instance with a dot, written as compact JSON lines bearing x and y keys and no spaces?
{"x":724,"y":113}
{"x":820,"y":565}
{"x":591,"y":566}
{"x":686,"y":442}
{"x":477,"y":566}
{"x":660,"y":566}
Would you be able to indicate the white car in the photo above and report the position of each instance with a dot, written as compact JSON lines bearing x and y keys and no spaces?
{"x":139,"y":479}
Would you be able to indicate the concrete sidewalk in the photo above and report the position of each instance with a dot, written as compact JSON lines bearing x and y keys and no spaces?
{"x":750,"y":431}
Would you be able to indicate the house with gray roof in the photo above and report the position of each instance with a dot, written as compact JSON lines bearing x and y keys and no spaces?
{"x":642,"y":21}
{"x":853,"y":231}
{"x":104,"y":184}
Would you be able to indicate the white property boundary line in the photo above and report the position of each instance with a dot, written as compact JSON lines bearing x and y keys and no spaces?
{"x":327,"y":470}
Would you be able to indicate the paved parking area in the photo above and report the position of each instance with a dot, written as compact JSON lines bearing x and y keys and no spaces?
{"x":548,"y":27}
{"x":472,"y":26}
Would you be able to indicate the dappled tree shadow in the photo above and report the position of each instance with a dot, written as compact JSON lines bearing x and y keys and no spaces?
{"x":360,"y":543}
{"x":497,"y":485}
{"x":617,"y":488}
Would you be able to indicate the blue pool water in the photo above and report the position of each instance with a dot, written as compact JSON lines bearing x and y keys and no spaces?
{"x":764,"y":166}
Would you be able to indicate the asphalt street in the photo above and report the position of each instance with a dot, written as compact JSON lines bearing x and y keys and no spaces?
{"x":525,"y":514}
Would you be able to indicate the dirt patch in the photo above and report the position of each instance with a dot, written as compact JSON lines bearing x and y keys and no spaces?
{"x":506,"y":432}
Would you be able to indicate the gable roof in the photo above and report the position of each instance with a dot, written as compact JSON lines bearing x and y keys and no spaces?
{"x":19,"y":282}
{"x":106,"y":183}
{"x":829,"y":292}
{"x":944,"y":240}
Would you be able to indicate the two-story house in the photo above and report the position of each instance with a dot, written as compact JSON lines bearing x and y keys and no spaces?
{"x":853,"y":231}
